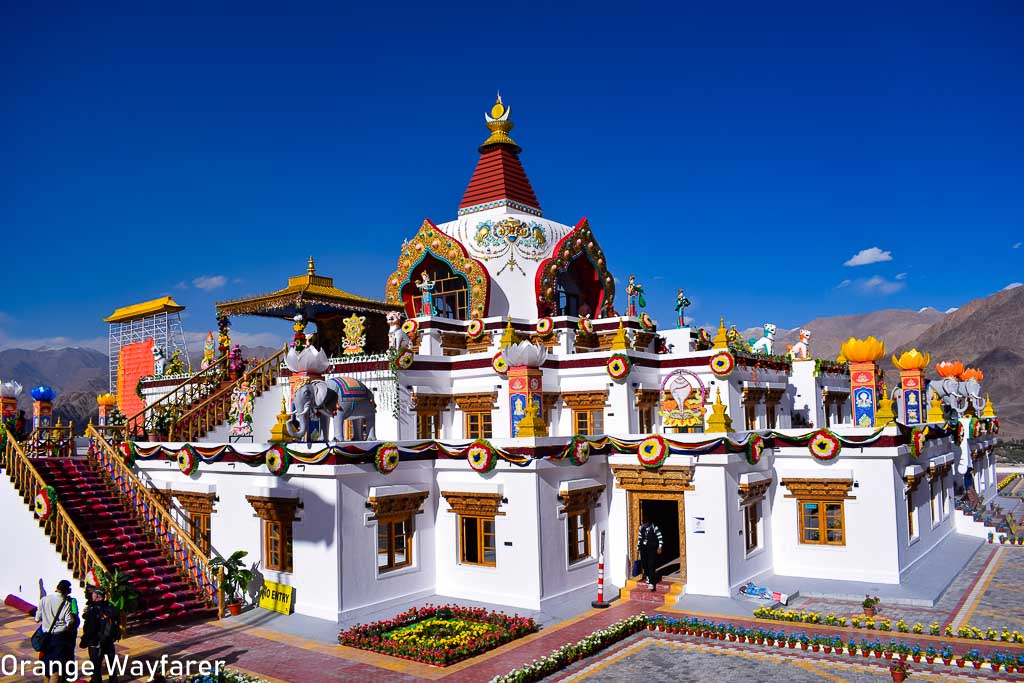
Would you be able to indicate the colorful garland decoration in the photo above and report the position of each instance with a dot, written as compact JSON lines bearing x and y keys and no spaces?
{"x":475,"y":329}
{"x":499,"y":364}
{"x":545,"y":326}
{"x":128,"y":451}
{"x":480,"y":456}
{"x":917,"y":441}
{"x":994,"y":425}
{"x":704,"y":336}
{"x":824,"y":445}
{"x":579,"y":450}
{"x":405,"y":359}
{"x":646,"y":322}
{"x":278,"y":461}
{"x":618,"y":366}
{"x":410,"y":327}
{"x":959,"y":433}
{"x":585,"y":325}
{"x":975,"y":428}
{"x":652,"y":451}
{"x":755,"y":446}
{"x":187,"y":461}
{"x":91,"y":578}
{"x":387,"y":458}
{"x":46,"y":503}
{"x":722,"y":364}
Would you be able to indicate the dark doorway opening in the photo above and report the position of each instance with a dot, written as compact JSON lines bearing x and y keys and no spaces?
{"x":665,"y":515}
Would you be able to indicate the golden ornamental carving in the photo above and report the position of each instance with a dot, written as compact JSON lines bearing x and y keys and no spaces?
{"x":646,"y":398}
{"x":755,"y":491}
{"x":430,"y":403}
{"x":819,"y":489}
{"x":668,"y":478}
{"x":939,"y":471}
{"x":195,"y":503}
{"x":912,"y":480}
{"x":391,"y":508}
{"x":580,"y":499}
{"x":474,"y":504}
{"x":580,"y":240}
{"x":274,"y":509}
{"x":585,"y":400}
{"x":474,"y":403}
{"x":431,"y":240}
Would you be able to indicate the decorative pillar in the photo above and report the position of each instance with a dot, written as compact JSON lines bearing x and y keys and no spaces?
{"x":9,"y":393}
{"x":911,"y":365}
{"x":862,"y":355}
{"x":42,"y":407}
{"x":106,"y":404}
{"x":525,"y":381}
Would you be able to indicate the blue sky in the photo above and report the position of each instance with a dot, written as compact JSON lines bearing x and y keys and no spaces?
{"x":744,"y":152}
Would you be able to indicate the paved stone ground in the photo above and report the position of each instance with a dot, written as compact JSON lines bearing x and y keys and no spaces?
{"x":671,"y":659}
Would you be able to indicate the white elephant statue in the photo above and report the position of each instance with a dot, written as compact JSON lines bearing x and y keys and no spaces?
{"x":957,"y":396}
{"x":332,"y":401}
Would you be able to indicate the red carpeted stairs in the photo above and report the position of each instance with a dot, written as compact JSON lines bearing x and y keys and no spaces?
{"x":121,"y":541}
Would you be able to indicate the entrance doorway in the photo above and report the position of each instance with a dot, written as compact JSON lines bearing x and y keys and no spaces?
{"x":665,"y":515}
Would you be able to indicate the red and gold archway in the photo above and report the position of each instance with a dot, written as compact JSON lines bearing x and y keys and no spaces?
{"x":577,"y":254}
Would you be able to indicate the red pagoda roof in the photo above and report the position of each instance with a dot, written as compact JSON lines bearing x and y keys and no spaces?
{"x":499,"y":178}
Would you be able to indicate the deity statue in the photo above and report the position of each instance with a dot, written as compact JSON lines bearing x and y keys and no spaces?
{"x":681,"y":303}
{"x":634,"y":296}
{"x":426,"y":287}
{"x":240,"y":416}
{"x":208,"y":350}
{"x":765,"y":343}
{"x":802,"y":349}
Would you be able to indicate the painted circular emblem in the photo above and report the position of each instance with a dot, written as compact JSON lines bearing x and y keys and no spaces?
{"x":545,"y":326}
{"x":917,"y":441}
{"x":187,"y":461}
{"x":499,"y":363}
{"x":585,"y":325}
{"x":278,"y":460}
{"x":722,"y":364}
{"x":618,"y":366}
{"x":410,"y":327}
{"x":480,"y":457}
{"x":405,"y":358}
{"x":652,"y":451}
{"x":646,"y":322}
{"x":755,"y":446}
{"x":824,"y":445}
{"x":45,"y":503}
{"x":475,"y":329}
{"x":386,"y":459}
{"x":579,"y":450}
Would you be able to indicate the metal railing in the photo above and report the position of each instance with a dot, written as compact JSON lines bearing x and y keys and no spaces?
{"x":65,"y":535}
{"x":189,"y":391}
{"x":57,"y":441}
{"x":191,"y":562}
{"x":194,"y":424}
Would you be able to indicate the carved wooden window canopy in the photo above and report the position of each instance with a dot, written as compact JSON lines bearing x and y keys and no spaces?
{"x":580,"y":500}
{"x":667,"y":478}
{"x":646,"y":398}
{"x":912,"y":480}
{"x":274,"y":509}
{"x":195,"y":503}
{"x":939,"y":471}
{"x":475,"y":403}
{"x":754,"y":491}
{"x":474,"y":504}
{"x":585,"y":400}
{"x":819,"y":489}
{"x":430,"y":403}
{"x":396,"y":507}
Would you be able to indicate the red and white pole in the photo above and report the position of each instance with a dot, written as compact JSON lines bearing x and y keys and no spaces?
{"x":600,"y":578}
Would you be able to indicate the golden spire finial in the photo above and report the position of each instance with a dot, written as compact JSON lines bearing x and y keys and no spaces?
{"x":499,"y":123}
{"x":532,"y":424}
{"x":310,"y":267}
{"x":935,"y":413}
{"x":721,"y":340}
{"x":885,"y":415}
{"x":989,"y":410}
{"x":620,"y":342}
{"x":719,"y":421}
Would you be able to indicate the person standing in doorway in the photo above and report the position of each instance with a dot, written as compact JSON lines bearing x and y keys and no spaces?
{"x":648,"y":547}
{"x":100,"y":628}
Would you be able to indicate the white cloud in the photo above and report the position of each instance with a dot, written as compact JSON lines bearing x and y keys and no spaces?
{"x":879,"y":285}
{"x":1013,"y":285}
{"x":1016,"y":245}
{"x":181,"y":285}
{"x":901,"y":276}
{"x":867,"y":256}
{"x":844,"y":283}
{"x":35,"y":344}
{"x":208,"y":282}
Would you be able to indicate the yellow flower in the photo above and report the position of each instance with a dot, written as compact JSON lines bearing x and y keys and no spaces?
{"x":862,"y":350}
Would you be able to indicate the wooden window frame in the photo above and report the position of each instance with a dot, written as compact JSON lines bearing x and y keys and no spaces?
{"x":408,"y":532}
{"x":276,"y":513}
{"x":423,"y":421}
{"x":583,"y":422}
{"x":822,"y":492}
{"x":199,"y":530}
{"x":284,"y":562}
{"x":822,"y":522}
{"x":483,"y":427}
{"x":389,"y":510}
{"x":911,"y":510}
{"x":579,"y":503}
{"x":199,"y":507}
{"x":573,"y":535}
{"x":482,"y":507}
{"x":751,"y":532}
{"x":481,"y":535}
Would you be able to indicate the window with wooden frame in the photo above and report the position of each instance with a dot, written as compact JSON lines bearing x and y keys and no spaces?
{"x":395,"y":516}
{"x":587,"y":411}
{"x":429,"y":408}
{"x":911,"y":511}
{"x":199,"y":507}
{"x":751,"y":398}
{"x":578,"y":505}
{"x":771,"y":407}
{"x":277,"y":514}
{"x":475,"y":515}
{"x":588,"y":422}
{"x":199,"y":530}
{"x":477,"y":411}
{"x":933,"y":492}
{"x":428,"y":425}
{"x":821,"y":514}
{"x":478,"y":425}
{"x":646,"y":400}
{"x":752,"y":494}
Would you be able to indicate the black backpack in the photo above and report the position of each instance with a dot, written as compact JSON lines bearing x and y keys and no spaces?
{"x":107,"y":628}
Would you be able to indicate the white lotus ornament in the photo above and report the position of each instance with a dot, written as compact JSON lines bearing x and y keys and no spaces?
{"x":312,"y":360}
{"x":10,"y":389}
{"x":525,"y":354}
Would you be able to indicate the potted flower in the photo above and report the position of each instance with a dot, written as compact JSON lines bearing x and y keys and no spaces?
{"x":974,"y":657}
{"x":930,"y":654}
{"x":235,"y":579}
{"x":946,"y":654}
{"x":851,"y":647}
{"x":996,"y":660}
{"x":870,"y":605}
{"x":991,"y":536}
{"x":915,"y":653}
{"x":898,"y":671}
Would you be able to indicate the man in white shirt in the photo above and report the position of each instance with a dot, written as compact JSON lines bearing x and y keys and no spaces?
{"x":58,"y":611}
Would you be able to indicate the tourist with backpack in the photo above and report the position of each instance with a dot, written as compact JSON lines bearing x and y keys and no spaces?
{"x":101,"y":628}
{"x":57,"y":615}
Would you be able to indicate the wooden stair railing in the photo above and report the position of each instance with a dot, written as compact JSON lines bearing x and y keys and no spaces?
{"x":66,"y":537}
{"x":57,"y":441}
{"x":214,"y":409}
{"x":187,"y":392}
{"x":191,"y":562}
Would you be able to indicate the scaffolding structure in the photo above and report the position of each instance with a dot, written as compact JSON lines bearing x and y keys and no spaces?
{"x":159,"y":320}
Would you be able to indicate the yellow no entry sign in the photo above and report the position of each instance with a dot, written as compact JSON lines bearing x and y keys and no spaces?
{"x":276,"y":597}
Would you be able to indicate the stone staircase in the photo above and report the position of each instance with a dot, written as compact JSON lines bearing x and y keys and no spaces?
{"x":665,"y":593}
{"x":981,"y":519}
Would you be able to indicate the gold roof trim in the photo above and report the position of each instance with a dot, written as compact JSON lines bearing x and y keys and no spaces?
{"x":164,"y":304}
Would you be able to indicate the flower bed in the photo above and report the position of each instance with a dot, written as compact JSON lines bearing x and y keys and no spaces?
{"x":1007,"y":480}
{"x":226,"y":676}
{"x":439,"y":635}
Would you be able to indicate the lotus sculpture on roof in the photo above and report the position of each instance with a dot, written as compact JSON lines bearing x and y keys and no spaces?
{"x":525,"y":354}
{"x":10,"y":389}
{"x":311,"y":360}
{"x":42,"y":393}
{"x":862,"y":350}
{"x":911,"y":360}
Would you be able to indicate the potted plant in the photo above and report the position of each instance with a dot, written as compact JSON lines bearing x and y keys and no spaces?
{"x":991,"y":536}
{"x":870,"y":605}
{"x":898,"y":670}
{"x":930,"y":654}
{"x":236,"y":578}
{"x":120,"y":594}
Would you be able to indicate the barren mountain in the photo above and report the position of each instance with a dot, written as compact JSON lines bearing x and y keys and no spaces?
{"x":76,"y":374}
